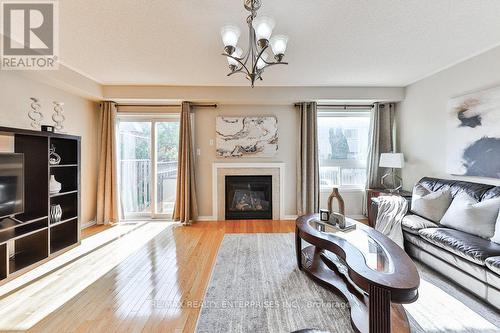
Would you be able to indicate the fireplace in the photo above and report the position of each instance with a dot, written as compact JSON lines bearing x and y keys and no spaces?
{"x":248,"y":197}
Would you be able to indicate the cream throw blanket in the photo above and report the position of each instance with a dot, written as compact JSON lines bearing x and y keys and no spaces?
{"x":391,"y":210}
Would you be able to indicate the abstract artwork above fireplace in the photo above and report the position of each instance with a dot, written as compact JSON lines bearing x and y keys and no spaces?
{"x":473,"y":137}
{"x":246,"y":136}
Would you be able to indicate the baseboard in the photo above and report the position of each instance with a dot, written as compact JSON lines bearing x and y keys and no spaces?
{"x":285,"y":218}
{"x":206,"y":218}
{"x":88,"y":224}
{"x":212,"y":218}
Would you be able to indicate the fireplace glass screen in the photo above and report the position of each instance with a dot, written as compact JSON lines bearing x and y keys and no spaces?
{"x":248,"y":197}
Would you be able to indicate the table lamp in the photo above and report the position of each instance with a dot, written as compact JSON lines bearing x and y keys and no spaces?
{"x":392,"y":161}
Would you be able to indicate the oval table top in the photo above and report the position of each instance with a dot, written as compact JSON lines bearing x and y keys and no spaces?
{"x":372,"y":258}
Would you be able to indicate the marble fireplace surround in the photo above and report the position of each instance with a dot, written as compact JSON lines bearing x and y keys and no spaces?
{"x":220,"y":170}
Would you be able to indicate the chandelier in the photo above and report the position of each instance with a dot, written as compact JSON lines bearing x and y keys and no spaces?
{"x":255,"y":60}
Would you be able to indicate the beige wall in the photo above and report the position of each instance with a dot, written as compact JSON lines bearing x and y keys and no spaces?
{"x":251,"y":96}
{"x":422,"y":115}
{"x":81,"y":119}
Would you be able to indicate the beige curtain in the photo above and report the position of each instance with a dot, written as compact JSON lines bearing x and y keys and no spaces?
{"x":185,"y":209}
{"x":382,"y":140}
{"x":107,"y":193}
{"x":307,"y":160}
{"x":382,"y":132}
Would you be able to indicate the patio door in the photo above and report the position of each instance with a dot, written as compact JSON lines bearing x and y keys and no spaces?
{"x":147,"y":172}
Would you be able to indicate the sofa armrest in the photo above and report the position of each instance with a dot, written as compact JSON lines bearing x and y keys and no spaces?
{"x":372,"y":214}
{"x":373,"y":211}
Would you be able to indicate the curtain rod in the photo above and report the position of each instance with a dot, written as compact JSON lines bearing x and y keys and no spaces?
{"x":342,"y":106}
{"x":167,"y":105}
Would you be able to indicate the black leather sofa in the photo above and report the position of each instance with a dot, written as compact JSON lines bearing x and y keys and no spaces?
{"x":470,"y":261}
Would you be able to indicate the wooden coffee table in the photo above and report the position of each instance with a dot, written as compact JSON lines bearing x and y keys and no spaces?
{"x":373,"y":274}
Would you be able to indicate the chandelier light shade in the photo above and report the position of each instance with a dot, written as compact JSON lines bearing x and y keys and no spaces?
{"x":232,"y":61}
{"x":278,"y":45}
{"x":253,"y":61}
{"x":263,"y":27}
{"x":230,"y":35}
{"x":261,"y":63}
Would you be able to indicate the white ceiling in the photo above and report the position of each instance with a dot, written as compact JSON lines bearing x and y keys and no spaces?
{"x":332,"y":42}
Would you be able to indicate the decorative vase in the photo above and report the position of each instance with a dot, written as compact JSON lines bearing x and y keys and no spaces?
{"x":336,"y":195}
{"x":54,"y":185}
{"x":336,"y":217}
{"x":54,"y":158}
{"x":55,"y":213}
{"x":58,"y":116}
{"x":34,"y":114}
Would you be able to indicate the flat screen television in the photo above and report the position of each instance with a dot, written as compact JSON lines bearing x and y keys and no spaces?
{"x":11,"y":184}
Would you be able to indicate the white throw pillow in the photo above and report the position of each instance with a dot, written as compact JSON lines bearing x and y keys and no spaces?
{"x":496,"y":236}
{"x":431,"y":205}
{"x":469,"y":215}
{"x":414,"y":223}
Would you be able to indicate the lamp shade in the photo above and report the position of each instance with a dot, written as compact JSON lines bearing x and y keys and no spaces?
{"x":392,"y":160}
{"x":260,"y":62}
{"x":230,"y":35}
{"x":278,"y":44}
{"x":237,"y":54}
{"x":263,"y":27}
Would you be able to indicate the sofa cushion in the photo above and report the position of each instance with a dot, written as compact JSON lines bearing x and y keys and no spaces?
{"x":413,"y":223}
{"x":467,"y":246}
{"x":477,"y":271}
{"x":493,"y":263}
{"x":428,"y":204}
{"x":469,"y":215}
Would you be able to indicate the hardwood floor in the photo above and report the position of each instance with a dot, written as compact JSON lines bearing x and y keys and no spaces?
{"x":92,"y":230}
{"x":142,"y":293}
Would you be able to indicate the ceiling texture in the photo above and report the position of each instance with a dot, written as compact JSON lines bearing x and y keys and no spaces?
{"x":332,"y":42}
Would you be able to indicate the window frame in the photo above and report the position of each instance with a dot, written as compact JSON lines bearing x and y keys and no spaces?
{"x":361,"y":113}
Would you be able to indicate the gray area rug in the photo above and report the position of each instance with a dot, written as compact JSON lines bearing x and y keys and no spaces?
{"x":256,"y":287}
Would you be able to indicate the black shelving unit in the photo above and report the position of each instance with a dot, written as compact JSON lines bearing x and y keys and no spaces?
{"x":63,"y":235}
{"x":35,"y":238}
{"x":3,"y":261}
{"x":29,"y":250}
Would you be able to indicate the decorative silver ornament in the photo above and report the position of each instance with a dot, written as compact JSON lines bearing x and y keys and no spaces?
{"x":58,"y":116}
{"x":54,"y":158}
{"x":55,"y":213}
{"x":34,"y":114}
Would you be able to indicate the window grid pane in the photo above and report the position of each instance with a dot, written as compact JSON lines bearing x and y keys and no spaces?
{"x":343,"y":148}
{"x":167,"y":142}
{"x":135,"y":167}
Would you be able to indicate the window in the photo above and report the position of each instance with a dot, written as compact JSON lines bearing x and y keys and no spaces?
{"x":343,"y":148}
{"x":147,"y":150}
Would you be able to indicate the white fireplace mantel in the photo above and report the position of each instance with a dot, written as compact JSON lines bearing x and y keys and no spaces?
{"x":248,"y":165}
